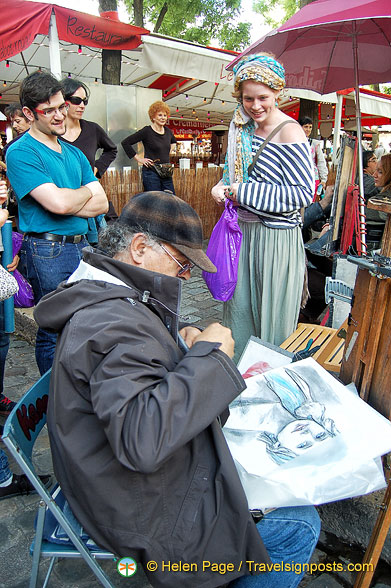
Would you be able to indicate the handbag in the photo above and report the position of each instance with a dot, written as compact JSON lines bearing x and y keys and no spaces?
{"x":163,"y":170}
{"x":8,"y":284}
{"x":223,"y":250}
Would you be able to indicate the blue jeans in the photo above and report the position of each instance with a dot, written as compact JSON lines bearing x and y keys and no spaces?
{"x":5,"y":472}
{"x":4,"y":345}
{"x":152,"y":181}
{"x":47,"y":264}
{"x":290,"y":535}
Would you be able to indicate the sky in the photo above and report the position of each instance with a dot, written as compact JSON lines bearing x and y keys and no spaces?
{"x":91,"y":7}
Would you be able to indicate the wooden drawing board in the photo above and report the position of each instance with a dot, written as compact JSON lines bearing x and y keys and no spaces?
{"x":343,"y":179}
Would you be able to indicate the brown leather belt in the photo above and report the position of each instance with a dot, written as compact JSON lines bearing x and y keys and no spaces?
{"x":58,"y":238}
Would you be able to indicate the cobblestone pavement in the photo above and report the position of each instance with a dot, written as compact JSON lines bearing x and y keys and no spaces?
{"x":17,"y":514}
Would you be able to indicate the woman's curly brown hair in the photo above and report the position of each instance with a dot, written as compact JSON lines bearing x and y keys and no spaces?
{"x":156,"y":107}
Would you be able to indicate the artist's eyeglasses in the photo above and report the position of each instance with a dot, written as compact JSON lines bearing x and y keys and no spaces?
{"x":63,"y":109}
{"x":76,"y":100}
{"x":185,"y":267}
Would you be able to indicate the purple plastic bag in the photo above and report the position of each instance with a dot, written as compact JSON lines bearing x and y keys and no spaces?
{"x":17,"y":239}
{"x":223,"y":249}
{"x":24,"y":298}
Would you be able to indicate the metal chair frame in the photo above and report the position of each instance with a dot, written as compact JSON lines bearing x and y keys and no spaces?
{"x":20,"y":433}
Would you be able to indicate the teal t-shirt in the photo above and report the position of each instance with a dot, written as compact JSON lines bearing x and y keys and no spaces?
{"x":30,"y":164}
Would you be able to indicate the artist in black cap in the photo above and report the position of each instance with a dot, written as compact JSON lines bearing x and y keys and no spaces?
{"x":135,"y":420}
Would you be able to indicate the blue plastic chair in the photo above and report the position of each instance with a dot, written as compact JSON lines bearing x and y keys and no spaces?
{"x":20,"y":433}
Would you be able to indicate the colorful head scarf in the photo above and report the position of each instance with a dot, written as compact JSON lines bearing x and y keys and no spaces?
{"x":239,"y":150}
{"x":260,"y":68}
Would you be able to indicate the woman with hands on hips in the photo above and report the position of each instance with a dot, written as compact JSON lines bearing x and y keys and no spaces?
{"x":271,"y":270}
{"x":157,"y":140}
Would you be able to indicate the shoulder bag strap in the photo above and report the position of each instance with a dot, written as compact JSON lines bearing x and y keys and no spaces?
{"x":266,"y":141}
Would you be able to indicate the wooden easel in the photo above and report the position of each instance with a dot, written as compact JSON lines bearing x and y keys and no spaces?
{"x":366,"y":362}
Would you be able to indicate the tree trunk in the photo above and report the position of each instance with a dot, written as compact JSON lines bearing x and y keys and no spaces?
{"x":309,"y":107}
{"x":111,"y":67}
{"x":160,"y":17}
{"x":111,"y":59}
{"x":138,"y":13}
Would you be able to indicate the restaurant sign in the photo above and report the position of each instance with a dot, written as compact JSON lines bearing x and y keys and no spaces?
{"x":189,"y":130}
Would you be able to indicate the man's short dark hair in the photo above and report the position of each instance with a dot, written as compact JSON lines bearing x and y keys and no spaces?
{"x":366,"y":156}
{"x":37,"y":88}
{"x":305,"y":120}
{"x":14,"y":109}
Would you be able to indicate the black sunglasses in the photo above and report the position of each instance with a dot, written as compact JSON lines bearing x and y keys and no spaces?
{"x":76,"y":100}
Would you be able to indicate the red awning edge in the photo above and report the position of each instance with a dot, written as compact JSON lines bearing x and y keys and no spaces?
{"x":21,"y":21}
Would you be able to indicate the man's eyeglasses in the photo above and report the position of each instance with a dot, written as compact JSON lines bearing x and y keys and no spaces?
{"x":63,"y":109}
{"x":185,"y":267}
{"x":76,"y":100}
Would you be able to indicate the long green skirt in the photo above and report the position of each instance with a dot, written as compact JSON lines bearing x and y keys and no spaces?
{"x":267,"y":297}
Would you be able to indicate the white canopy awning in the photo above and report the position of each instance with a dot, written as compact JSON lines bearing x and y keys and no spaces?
{"x":193,"y":78}
{"x":185,"y":59}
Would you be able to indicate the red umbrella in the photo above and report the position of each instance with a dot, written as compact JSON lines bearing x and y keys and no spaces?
{"x":330,"y":45}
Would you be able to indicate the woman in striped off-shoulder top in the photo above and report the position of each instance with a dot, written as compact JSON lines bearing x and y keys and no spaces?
{"x":267,"y":298}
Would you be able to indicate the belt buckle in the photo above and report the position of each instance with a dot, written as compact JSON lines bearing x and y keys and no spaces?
{"x":257,"y":514}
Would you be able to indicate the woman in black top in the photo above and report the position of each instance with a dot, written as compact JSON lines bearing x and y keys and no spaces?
{"x":84,"y":134}
{"x":87,"y":136}
{"x":157,"y":140}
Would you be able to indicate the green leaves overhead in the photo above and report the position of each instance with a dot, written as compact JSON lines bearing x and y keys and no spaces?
{"x":276,"y":12}
{"x":200,"y":21}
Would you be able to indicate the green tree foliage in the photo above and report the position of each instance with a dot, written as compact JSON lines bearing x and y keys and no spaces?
{"x":199,"y":21}
{"x":276,"y":12}
{"x":235,"y":37}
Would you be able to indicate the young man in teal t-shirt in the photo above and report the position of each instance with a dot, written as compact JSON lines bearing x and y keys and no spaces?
{"x":56,"y":192}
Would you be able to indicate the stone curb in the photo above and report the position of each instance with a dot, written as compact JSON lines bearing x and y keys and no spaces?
{"x":25,"y":325}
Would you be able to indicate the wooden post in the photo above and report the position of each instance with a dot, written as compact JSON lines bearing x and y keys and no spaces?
{"x":367,"y":363}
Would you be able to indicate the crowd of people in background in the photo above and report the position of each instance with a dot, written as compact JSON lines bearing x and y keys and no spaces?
{"x":143,"y":416}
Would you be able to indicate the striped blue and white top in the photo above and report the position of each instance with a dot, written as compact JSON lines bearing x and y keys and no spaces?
{"x":281,"y":183}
